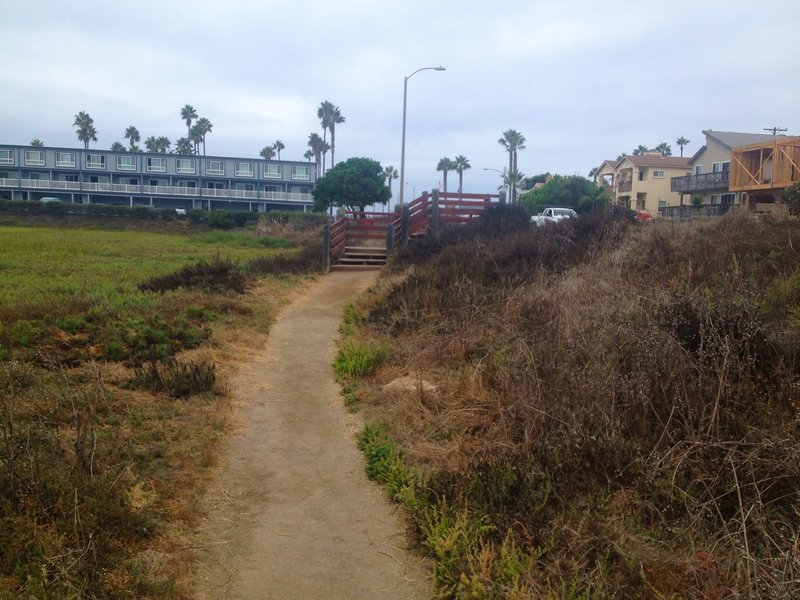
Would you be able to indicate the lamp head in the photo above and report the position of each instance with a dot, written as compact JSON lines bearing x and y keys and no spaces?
{"x":439,"y":68}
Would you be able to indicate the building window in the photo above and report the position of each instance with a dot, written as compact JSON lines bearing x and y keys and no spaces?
{"x":698,"y":169}
{"x":244,"y":169}
{"x":727,"y":198}
{"x":184,"y":165}
{"x":271,"y":188}
{"x":6,"y":157}
{"x":156,"y":164}
{"x":301,"y":173}
{"x":662,"y":203}
{"x":34,"y":157}
{"x":715,"y":167}
{"x":726,"y":166}
{"x":126,"y":163}
{"x":714,"y":198}
{"x":658,"y":174}
{"x":65,"y":159}
{"x":641,"y":175}
{"x":273,"y":171}
{"x":213,"y":167}
{"x":95,"y":161}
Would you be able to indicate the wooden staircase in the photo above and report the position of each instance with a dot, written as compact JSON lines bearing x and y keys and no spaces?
{"x":360,"y":258}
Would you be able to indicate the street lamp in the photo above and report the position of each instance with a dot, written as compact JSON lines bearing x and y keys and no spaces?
{"x":403,"y":148}
{"x":503,"y":174}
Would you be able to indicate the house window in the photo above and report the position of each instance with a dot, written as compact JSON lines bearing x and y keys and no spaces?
{"x":698,"y":169}
{"x":184,"y":165}
{"x":6,"y":157}
{"x":34,"y":157}
{"x":156,"y":164}
{"x":662,"y":203}
{"x":65,"y":159}
{"x":95,"y":161}
{"x":726,"y":166}
{"x":301,"y":173}
{"x":126,"y":163}
{"x":214,"y":167}
{"x":714,"y":199}
{"x":641,"y":175}
{"x":244,"y":169}
{"x":273,"y":171}
{"x":727,"y":198}
{"x":658,"y":174}
{"x":715,"y":167}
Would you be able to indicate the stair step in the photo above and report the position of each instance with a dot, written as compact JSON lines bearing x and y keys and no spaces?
{"x":341,"y":267}
{"x":354,"y":260}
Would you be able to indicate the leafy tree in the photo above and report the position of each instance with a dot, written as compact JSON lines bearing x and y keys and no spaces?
{"x":574,"y":192}
{"x":641,"y":149}
{"x":512,"y":141}
{"x":664,"y":148}
{"x":529,"y":182}
{"x":268,"y":152}
{"x":188,"y":114}
{"x":85,"y":128}
{"x":183,"y":146}
{"x":791,"y":195}
{"x":682,"y":141}
{"x":390,"y":173}
{"x":118,"y":147}
{"x":37,"y":143}
{"x":279,"y":145}
{"x":445,"y":165}
{"x":132,"y":135}
{"x":354,"y":184}
{"x":461,"y":165}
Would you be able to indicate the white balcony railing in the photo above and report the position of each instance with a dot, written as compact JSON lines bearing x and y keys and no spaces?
{"x":154,"y":190}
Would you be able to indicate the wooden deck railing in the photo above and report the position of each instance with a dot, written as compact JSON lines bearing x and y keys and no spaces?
{"x":427,"y":212}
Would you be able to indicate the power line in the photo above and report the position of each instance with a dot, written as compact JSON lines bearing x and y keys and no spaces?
{"x":775,"y":130}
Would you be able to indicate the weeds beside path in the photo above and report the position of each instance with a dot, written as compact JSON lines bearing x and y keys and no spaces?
{"x":291,"y":513}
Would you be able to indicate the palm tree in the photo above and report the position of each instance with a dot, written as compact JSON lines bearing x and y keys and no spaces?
{"x":151,"y":144}
{"x":664,"y":148}
{"x":132,"y":135}
{"x":188,"y":113}
{"x":461,"y":165}
{"x":204,"y":126}
{"x":118,"y":147}
{"x":183,"y":146}
{"x":513,"y":180}
{"x":336,"y":117}
{"x":196,"y":137}
{"x":641,"y":149}
{"x":37,"y":143}
{"x":86,"y":130}
{"x":682,"y":141}
{"x":308,"y":155}
{"x":329,"y":115}
{"x":445,"y":165}
{"x":593,"y":173}
{"x":163,"y":144}
{"x":318,"y":146}
{"x":268,"y":152}
{"x":512,"y":141}
{"x":278,"y":147}
{"x":389,"y":173}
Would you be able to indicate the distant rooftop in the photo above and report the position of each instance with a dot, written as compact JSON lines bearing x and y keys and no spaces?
{"x":732,"y":139}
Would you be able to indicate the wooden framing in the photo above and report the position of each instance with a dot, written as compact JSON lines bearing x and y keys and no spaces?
{"x":767,"y":166}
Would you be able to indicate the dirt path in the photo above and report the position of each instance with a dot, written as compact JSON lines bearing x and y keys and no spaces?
{"x":291,"y":514}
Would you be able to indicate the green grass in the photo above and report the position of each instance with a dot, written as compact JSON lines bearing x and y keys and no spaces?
{"x":44,"y":263}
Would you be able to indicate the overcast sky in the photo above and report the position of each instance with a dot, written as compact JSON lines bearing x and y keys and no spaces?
{"x":581,"y":80}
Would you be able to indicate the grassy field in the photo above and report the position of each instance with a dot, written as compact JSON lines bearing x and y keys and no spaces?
{"x":112,"y":398}
{"x":40,"y":264}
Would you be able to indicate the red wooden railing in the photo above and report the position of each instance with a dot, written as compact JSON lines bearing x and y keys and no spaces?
{"x":359,"y":228}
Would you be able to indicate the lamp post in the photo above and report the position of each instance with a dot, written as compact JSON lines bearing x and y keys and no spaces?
{"x":403,"y":147}
{"x":503,"y":175}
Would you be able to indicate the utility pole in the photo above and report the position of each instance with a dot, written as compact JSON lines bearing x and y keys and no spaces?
{"x":775,"y":130}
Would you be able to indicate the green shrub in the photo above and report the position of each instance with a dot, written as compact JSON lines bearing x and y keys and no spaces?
{"x":179,"y":380}
{"x":215,"y":275}
{"x":356,"y":360}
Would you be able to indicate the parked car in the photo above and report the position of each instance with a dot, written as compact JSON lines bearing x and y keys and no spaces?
{"x":553,"y":215}
{"x":49,"y":199}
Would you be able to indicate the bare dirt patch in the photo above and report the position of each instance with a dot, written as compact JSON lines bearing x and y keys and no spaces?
{"x":290,"y":513}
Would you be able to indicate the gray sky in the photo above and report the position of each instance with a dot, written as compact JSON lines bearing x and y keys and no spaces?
{"x":582,"y":80}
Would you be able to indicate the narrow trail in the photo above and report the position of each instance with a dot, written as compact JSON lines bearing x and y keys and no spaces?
{"x":291,"y":513}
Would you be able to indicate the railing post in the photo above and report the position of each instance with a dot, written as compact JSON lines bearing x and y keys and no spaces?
{"x":404,"y":218}
{"x":326,"y":248}
{"x":389,"y":239}
{"x":435,"y":211}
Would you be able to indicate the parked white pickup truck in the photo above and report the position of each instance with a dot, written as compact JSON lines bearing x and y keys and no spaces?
{"x":553,"y":215}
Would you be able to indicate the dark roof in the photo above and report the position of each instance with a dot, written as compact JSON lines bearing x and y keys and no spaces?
{"x":732,"y":139}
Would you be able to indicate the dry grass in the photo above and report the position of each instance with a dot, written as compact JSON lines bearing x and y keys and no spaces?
{"x":621,"y":400}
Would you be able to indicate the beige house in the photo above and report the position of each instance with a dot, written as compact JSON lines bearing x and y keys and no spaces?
{"x":642,"y":182}
{"x":710,"y":169}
